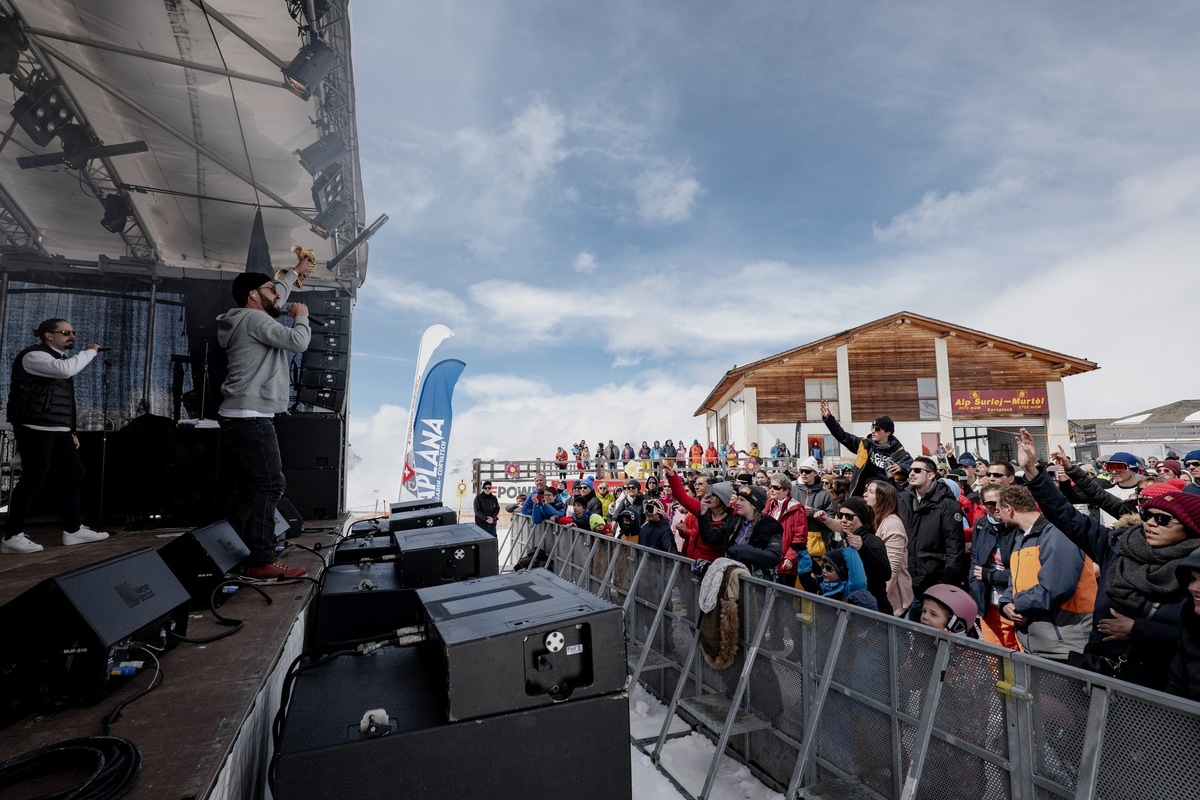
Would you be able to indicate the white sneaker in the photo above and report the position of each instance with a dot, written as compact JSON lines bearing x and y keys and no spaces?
{"x":84,"y":534}
{"x":20,"y":544}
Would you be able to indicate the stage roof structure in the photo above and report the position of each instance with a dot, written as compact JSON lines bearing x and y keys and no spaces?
{"x":238,"y":105}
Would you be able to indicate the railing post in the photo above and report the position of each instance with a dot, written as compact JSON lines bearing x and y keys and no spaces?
{"x":1093,"y":744}
{"x":933,"y":696}
{"x":813,"y":717}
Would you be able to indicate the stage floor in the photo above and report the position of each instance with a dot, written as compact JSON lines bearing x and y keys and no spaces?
{"x":185,"y":727}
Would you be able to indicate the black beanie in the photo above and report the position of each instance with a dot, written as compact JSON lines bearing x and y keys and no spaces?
{"x":247,"y":282}
{"x":884,"y":423}
{"x":861,"y":510}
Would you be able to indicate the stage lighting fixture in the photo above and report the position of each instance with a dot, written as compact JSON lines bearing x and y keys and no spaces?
{"x":117,"y":211}
{"x":321,"y":153}
{"x":327,"y":221}
{"x":327,"y":187}
{"x":309,"y":68}
{"x":76,"y":145}
{"x":41,"y":112}
{"x":12,"y":44}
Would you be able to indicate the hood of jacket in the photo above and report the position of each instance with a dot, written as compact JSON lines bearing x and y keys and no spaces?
{"x":228,"y":322}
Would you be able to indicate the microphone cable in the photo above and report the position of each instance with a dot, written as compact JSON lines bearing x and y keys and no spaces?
{"x":112,"y":765}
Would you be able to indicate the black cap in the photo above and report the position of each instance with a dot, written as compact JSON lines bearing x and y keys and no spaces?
{"x":884,"y":423}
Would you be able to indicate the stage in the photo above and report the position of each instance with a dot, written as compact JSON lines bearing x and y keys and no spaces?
{"x":204,"y":732}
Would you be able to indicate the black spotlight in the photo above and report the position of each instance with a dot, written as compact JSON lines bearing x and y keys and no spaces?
{"x":41,"y":112}
{"x":321,"y":153}
{"x":117,"y":211}
{"x":327,"y":187}
{"x":12,"y":44}
{"x":328,"y":220}
{"x":309,"y":68}
{"x":76,"y":144}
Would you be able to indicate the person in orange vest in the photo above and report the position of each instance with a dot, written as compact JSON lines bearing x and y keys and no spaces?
{"x":1052,"y":591}
{"x":696,"y":454}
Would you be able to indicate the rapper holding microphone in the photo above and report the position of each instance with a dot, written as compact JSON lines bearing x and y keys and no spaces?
{"x":41,"y":408}
{"x":255,"y":390}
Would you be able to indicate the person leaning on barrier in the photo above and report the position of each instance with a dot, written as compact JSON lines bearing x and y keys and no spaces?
{"x":487,"y":508}
{"x":757,"y":539}
{"x":714,"y":523}
{"x":1139,"y":600}
{"x":795,"y":564}
{"x":656,"y":531}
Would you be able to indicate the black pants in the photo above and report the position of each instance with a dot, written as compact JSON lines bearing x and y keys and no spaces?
{"x":42,"y":451}
{"x":258,"y":483}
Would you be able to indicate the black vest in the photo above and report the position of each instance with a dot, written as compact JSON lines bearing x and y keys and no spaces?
{"x":33,"y":400}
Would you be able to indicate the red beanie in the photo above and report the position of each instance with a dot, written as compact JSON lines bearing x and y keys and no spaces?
{"x":1181,"y":505}
{"x":1159,"y":489}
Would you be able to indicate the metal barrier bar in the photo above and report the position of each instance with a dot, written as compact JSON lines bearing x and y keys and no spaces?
{"x":814,"y":711}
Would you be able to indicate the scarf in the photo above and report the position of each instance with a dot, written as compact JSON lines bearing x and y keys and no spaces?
{"x":834,"y":589}
{"x":1143,"y":573}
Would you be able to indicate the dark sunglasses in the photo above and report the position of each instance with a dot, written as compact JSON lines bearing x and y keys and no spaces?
{"x":1190,"y":464}
{"x":918,"y":470}
{"x":991,"y":504}
{"x":997,"y":474}
{"x":845,"y":515}
{"x":1158,"y":517}
{"x":876,"y":429}
{"x":776,"y":486}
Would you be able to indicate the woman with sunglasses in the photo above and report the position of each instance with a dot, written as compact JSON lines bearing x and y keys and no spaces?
{"x":1139,"y":600}
{"x":1083,"y":488}
{"x":795,"y":564}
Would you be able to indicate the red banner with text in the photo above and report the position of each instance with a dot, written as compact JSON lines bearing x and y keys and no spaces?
{"x":1000,"y":402}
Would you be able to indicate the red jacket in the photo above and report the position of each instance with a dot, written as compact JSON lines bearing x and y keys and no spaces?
{"x":795,"y":531}
{"x":693,"y":546}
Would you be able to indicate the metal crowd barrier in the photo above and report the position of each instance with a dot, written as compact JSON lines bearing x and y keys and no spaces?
{"x":822,"y":692}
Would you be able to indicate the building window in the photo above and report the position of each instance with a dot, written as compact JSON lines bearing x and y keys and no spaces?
{"x":816,"y":390}
{"x":927,"y":398}
{"x":972,"y":440}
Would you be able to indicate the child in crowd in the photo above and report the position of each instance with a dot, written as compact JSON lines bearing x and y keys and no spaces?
{"x":949,"y":608}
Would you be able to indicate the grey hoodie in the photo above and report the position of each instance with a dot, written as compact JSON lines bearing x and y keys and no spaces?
{"x":258,"y":372}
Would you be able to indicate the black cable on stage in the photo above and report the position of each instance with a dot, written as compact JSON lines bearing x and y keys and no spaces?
{"x":155,"y":682}
{"x":235,"y":625}
{"x":114,"y":764}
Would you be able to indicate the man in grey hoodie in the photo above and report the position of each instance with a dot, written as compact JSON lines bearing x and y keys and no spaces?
{"x":255,"y":390}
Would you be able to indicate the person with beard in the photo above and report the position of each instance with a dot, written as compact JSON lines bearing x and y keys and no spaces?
{"x":877,"y":455}
{"x":757,"y":538}
{"x":990,"y":555}
{"x":858,"y":526}
{"x":936,"y":549}
{"x":255,"y":390}
{"x":1139,"y":599}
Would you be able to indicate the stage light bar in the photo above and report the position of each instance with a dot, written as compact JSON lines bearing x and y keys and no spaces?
{"x":321,"y":153}
{"x":309,"y":68}
{"x":327,"y":188}
{"x":328,"y":220}
{"x":41,"y":112}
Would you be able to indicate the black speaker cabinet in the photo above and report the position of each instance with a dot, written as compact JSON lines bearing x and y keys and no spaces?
{"x":359,"y":602}
{"x":368,"y":527}
{"x":201,"y":558}
{"x":329,"y":341}
{"x":355,"y":549}
{"x":316,"y":493}
{"x":429,"y":556}
{"x":326,"y":304}
{"x":194,"y":488}
{"x":422,"y":518}
{"x":324,"y":359}
{"x":577,"y":750}
{"x":330,"y":399}
{"x":309,"y":441}
{"x":323,"y":378}
{"x":521,"y":640}
{"x":66,"y":639}
{"x":413,"y":505}
{"x":291,"y":516}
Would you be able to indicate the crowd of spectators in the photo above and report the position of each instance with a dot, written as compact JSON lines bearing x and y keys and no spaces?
{"x":1096,"y":565}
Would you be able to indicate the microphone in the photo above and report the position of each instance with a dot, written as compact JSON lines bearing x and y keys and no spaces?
{"x":320,"y":323}
{"x":103,"y":349}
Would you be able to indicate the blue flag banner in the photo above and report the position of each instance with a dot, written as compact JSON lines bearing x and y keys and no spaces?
{"x":431,"y":427}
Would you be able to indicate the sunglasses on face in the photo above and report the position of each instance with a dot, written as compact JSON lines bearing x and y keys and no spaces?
{"x":1191,"y":464}
{"x":844,"y":515}
{"x":1159,"y":518}
{"x":997,"y":474}
{"x":992,"y":504}
{"x":776,"y":487}
{"x":917,"y":470}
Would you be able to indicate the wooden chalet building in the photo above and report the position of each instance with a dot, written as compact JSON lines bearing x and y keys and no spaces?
{"x":938,"y":382}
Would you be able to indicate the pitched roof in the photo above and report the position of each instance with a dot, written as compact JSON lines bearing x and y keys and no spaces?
{"x":1068,"y":365}
{"x":1171,"y":413}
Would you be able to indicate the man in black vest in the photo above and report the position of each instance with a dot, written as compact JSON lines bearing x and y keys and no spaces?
{"x":41,"y":408}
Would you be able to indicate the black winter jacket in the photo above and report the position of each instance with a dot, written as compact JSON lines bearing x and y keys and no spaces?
{"x":763,"y":549}
{"x":870,"y":460}
{"x":936,"y":545}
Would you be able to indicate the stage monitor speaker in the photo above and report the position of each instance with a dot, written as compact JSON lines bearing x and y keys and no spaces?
{"x":67,"y":640}
{"x":201,"y":558}
{"x":356,"y":549}
{"x":323,"y":379}
{"x":316,"y":493}
{"x":327,"y":304}
{"x":578,"y":750}
{"x":295,"y":521}
{"x":329,"y":399}
{"x":422,"y":518}
{"x":521,"y":640}
{"x":309,"y":441}
{"x":360,"y":601}
{"x":320,"y":359}
{"x":430,"y":556}
{"x":368,"y":527}
{"x":413,"y":505}
{"x":329,"y":342}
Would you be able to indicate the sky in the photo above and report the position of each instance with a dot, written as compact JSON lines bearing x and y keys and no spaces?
{"x":611,"y":204}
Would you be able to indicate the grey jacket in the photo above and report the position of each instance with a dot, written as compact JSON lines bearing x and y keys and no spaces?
{"x":257,"y":347}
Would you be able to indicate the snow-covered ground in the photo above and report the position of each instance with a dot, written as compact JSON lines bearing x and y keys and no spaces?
{"x":686,"y":758}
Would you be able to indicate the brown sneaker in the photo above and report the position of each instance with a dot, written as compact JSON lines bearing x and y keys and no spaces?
{"x":275,"y":571}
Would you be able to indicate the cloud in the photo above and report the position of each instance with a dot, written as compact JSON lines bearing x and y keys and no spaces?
{"x":940,"y":214}
{"x":626,"y":361}
{"x":493,"y":387}
{"x":585,"y":262}
{"x":666,"y":194}
{"x":395,"y":292}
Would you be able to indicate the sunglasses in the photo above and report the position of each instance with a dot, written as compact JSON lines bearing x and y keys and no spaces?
{"x":776,"y":486}
{"x":1159,"y":518}
{"x":876,"y":429}
{"x":845,"y":515}
{"x":918,"y":470}
{"x":1190,"y":464}
{"x":65,"y":333}
{"x":997,"y":474}
{"x":992,"y":504}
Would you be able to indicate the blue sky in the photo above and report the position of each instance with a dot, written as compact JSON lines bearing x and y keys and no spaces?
{"x":613,"y":203}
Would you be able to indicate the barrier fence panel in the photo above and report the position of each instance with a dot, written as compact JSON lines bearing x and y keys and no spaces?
{"x":833,"y":692}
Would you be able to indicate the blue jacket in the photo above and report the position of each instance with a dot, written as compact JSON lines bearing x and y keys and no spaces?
{"x":1152,"y":643}
{"x":989,"y":535}
{"x":658,"y":535}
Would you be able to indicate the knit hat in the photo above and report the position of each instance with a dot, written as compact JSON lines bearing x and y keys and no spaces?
{"x":1159,"y":489}
{"x":1183,"y":506}
{"x":1191,"y":455}
{"x":755,"y":494}
{"x":1172,"y":465}
{"x":247,"y":282}
{"x":885,"y":423}
{"x":596,"y":522}
{"x":966,"y":460}
{"x":589,"y":480}
{"x":837,"y":560}
{"x":723,"y":491}
{"x":860,"y":509}
{"x":809,"y":463}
